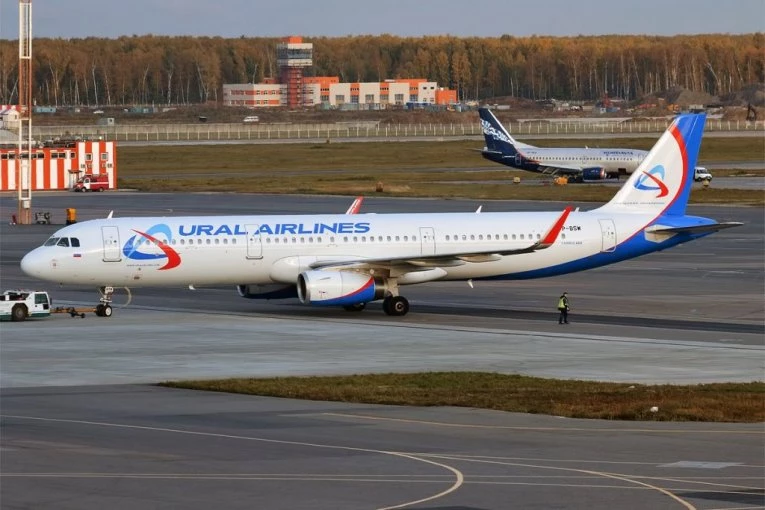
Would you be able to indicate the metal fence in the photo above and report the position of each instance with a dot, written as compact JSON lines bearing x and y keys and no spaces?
{"x":211,"y":132}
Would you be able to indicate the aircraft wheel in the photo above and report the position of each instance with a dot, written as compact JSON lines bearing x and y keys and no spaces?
{"x":19,"y":313}
{"x":100,"y":310}
{"x":107,"y":312}
{"x":396,"y":306}
{"x":386,"y":305}
{"x":355,"y":308}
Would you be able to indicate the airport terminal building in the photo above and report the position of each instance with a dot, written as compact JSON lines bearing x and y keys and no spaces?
{"x":294,"y":90}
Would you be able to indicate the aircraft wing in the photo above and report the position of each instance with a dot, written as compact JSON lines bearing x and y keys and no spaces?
{"x":561,"y":169}
{"x":423,"y":263}
{"x":580,"y":173}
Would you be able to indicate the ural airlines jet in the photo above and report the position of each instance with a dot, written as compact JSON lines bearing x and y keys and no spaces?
{"x":577,"y":164}
{"x":350,"y":260}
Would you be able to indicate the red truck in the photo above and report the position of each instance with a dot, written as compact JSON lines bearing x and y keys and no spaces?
{"x":92,"y":183}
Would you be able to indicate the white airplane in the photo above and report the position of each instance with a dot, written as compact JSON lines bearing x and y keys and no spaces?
{"x":577,"y":164}
{"x":350,"y":260}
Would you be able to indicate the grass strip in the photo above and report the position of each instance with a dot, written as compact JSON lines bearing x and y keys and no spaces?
{"x":722,"y":402}
{"x":144,"y":160}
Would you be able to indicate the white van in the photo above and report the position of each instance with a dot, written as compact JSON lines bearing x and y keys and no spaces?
{"x":251,"y":118}
{"x":701,"y":174}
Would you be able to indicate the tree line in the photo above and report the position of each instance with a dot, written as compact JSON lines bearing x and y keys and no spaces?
{"x":186,"y":70}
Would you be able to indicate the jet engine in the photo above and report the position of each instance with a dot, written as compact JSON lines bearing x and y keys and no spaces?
{"x":278,"y":291}
{"x":594,"y":174}
{"x":339,"y":288}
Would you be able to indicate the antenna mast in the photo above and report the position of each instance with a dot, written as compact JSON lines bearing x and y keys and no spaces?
{"x":24,"y":155}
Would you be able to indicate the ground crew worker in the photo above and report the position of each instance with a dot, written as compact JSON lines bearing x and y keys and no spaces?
{"x":563,"y":308}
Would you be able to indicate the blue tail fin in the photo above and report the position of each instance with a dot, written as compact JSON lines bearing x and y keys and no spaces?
{"x":498,"y":140}
{"x":663,"y":181}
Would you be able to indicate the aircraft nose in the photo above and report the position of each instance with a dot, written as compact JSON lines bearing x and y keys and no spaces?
{"x":34,"y":264}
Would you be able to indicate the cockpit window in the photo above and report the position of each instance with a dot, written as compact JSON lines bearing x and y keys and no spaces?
{"x":51,"y":242}
{"x":64,"y":241}
{"x":75,"y":242}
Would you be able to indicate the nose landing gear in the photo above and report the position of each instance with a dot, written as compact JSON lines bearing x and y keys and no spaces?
{"x":104,"y":308}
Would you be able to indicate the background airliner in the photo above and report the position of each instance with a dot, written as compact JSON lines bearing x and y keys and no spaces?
{"x":349,"y":260}
{"x":577,"y":164}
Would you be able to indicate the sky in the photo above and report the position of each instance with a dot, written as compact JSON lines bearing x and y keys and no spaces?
{"x":332,"y":18}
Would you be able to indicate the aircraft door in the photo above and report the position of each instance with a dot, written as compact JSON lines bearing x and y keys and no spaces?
{"x":110,"y":237}
{"x":254,"y":246}
{"x":427,"y":241}
{"x":608,"y":233}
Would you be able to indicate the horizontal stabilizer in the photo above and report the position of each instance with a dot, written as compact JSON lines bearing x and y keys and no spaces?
{"x":694,"y":229}
{"x":493,"y":155}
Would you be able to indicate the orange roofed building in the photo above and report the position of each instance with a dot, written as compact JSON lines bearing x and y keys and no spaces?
{"x":294,"y":90}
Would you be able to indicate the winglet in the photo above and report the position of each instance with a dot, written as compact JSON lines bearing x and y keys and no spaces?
{"x":552,"y":234}
{"x":355,"y":206}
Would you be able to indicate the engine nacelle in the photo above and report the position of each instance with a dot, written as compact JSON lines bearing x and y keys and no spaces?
{"x":339,"y":288}
{"x":278,"y":291}
{"x":594,"y":174}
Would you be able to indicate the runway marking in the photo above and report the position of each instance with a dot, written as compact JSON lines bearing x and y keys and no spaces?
{"x":458,"y":482}
{"x":629,"y":463}
{"x":564,"y":429}
{"x":758,"y":507}
{"x":230,"y":477}
{"x":615,"y":476}
{"x":698,"y":482}
{"x":699,"y":464}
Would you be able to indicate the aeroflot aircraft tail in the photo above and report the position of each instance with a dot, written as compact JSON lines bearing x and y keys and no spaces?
{"x":498,"y":140}
{"x":352,"y":259}
{"x":496,"y":136}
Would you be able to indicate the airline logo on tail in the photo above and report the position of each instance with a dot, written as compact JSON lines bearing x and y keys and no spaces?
{"x":653,"y":180}
{"x":138,"y":249}
{"x":493,"y":132}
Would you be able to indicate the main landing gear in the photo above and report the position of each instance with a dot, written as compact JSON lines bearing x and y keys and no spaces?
{"x":393,"y":304}
{"x":396,"y":306}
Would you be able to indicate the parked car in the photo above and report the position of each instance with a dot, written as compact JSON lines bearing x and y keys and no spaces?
{"x":251,"y":118}
{"x":701,"y":174}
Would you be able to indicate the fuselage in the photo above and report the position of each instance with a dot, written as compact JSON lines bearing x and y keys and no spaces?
{"x":536,"y":159}
{"x":236,"y":250}
{"x":613,"y":161}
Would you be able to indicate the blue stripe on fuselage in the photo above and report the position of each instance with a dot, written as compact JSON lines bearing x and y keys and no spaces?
{"x":633,"y":247}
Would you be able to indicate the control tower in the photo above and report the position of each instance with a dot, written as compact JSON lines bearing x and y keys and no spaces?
{"x":292,"y":56}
